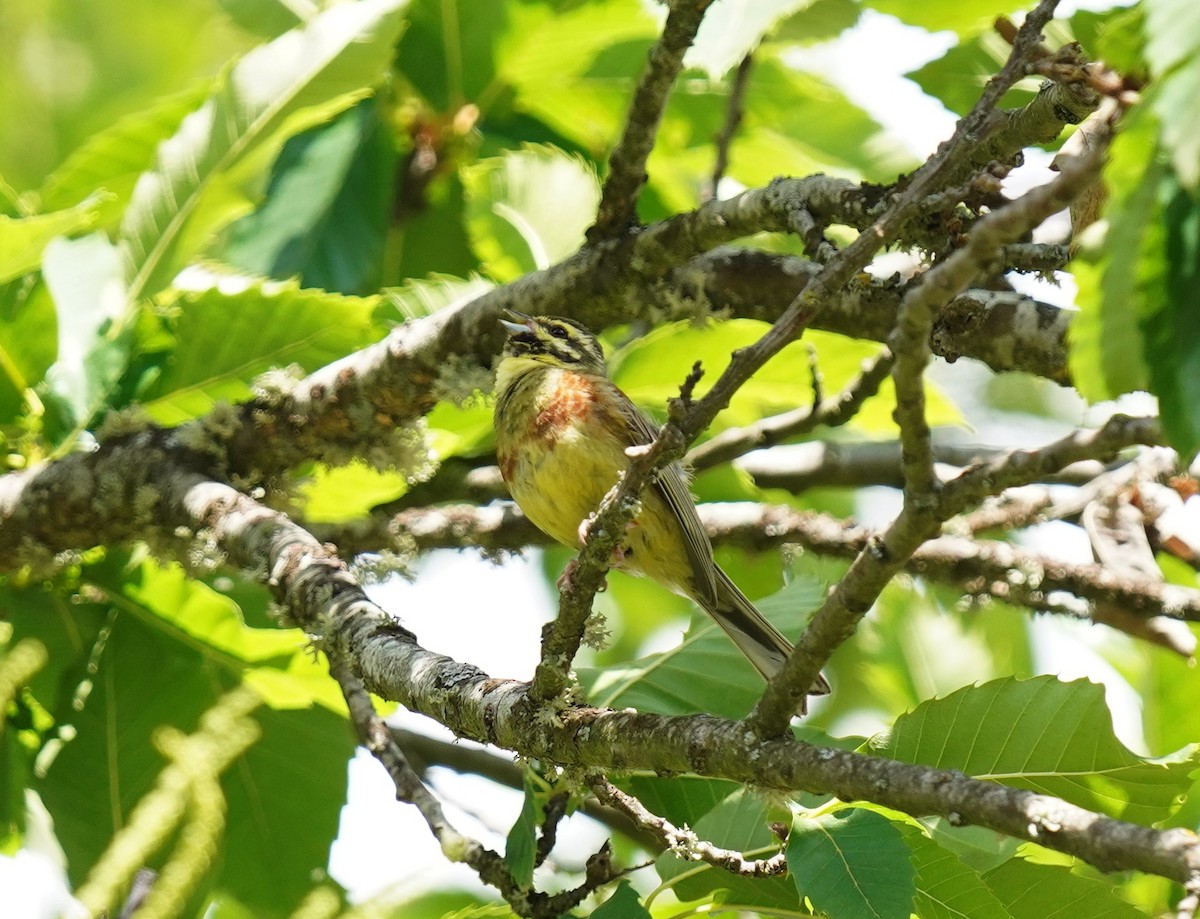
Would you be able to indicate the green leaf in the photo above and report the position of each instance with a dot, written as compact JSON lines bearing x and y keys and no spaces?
{"x":569,"y":65}
{"x":113,"y":158}
{"x":957,"y":77}
{"x":666,"y":682}
{"x":1116,"y":36}
{"x":819,"y":21}
{"x":1173,"y":50}
{"x":520,"y":849}
{"x":966,"y":17}
{"x":1044,"y":735}
{"x":945,"y":887}
{"x":1172,"y":326}
{"x":287,"y":808}
{"x":1108,"y":354}
{"x":528,"y":209}
{"x":230,"y":328}
{"x":28,"y":343}
{"x":852,"y":865}
{"x":116,"y":692}
{"x":325,"y":214}
{"x":23,"y":239}
{"x":733,"y":28}
{"x":342,"y":493}
{"x":277,"y":662}
{"x":1032,"y":891}
{"x":417,"y":298}
{"x":300,"y":79}
{"x":682,"y":799}
{"x":84,"y":278}
{"x":623,"y":904}
{"x":267,"y":17}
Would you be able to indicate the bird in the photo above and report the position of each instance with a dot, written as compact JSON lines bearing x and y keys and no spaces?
{"x":563,"y":429}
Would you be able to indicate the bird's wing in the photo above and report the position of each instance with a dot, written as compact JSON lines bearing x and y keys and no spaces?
{"x":671,"y":485}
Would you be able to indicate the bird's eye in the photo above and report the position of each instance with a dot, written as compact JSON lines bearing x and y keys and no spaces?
{"x":559,"y":332}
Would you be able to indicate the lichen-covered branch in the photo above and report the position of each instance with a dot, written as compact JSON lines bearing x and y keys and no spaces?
{"x":683,"y":841}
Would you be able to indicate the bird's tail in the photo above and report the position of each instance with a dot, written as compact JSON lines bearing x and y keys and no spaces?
{"x":762,"y":643}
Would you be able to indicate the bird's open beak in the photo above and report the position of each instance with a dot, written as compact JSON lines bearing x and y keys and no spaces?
{"x":522,"y":326}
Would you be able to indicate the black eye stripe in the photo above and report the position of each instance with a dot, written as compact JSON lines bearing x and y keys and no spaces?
{"x":559,"y":332}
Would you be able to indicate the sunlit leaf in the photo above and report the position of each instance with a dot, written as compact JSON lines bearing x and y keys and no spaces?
{"x":528,"y":209}
{"x":1044,"y":735}
{"x":85,"y":279}
{"x":23,"y":239}
{"x":232,"y":328}
{"x":333,"y":495}
{"x":733,"y":28}
{"x":301,"y":78}
{"x":113,"y":158}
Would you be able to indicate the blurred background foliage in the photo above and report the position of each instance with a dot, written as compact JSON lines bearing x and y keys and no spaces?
{"x":437,"y":149}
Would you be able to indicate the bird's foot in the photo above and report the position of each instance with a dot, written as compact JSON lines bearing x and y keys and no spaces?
{"x":566,"y":580}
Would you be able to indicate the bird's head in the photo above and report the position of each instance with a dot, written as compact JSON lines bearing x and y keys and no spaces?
{"x":553,"y":341}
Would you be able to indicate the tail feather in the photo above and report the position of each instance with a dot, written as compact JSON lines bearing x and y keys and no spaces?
{"x":762,"y":643}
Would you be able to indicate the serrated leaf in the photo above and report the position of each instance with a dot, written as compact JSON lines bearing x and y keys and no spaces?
{"x":1108,"y":353}
{"x":666,"y":682}
{"x":113,"y":158}
{"x":426,"y":296}
{"x":301,"y":78}
{"x":1047,"y":736}
{"x":230,"y":328}
{"x":852,"y":865}
{"x":945,"y":887}
{"x":276,"y":661}
{"x":623,"y":904}
{"x":520,"y":848}
{"x":324,"y":217}
{"x":1032,"y":891}
{"x":23,"y":239}
{"x":528,"y":209}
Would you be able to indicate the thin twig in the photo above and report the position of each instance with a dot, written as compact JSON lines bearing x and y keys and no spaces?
{"x":684,"y":842}
{"x":831,"y":412}
{"x":733,"y":119}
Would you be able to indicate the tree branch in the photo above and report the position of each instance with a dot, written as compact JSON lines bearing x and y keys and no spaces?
{"x":683,"y":842}
{"x":627,"y":165}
